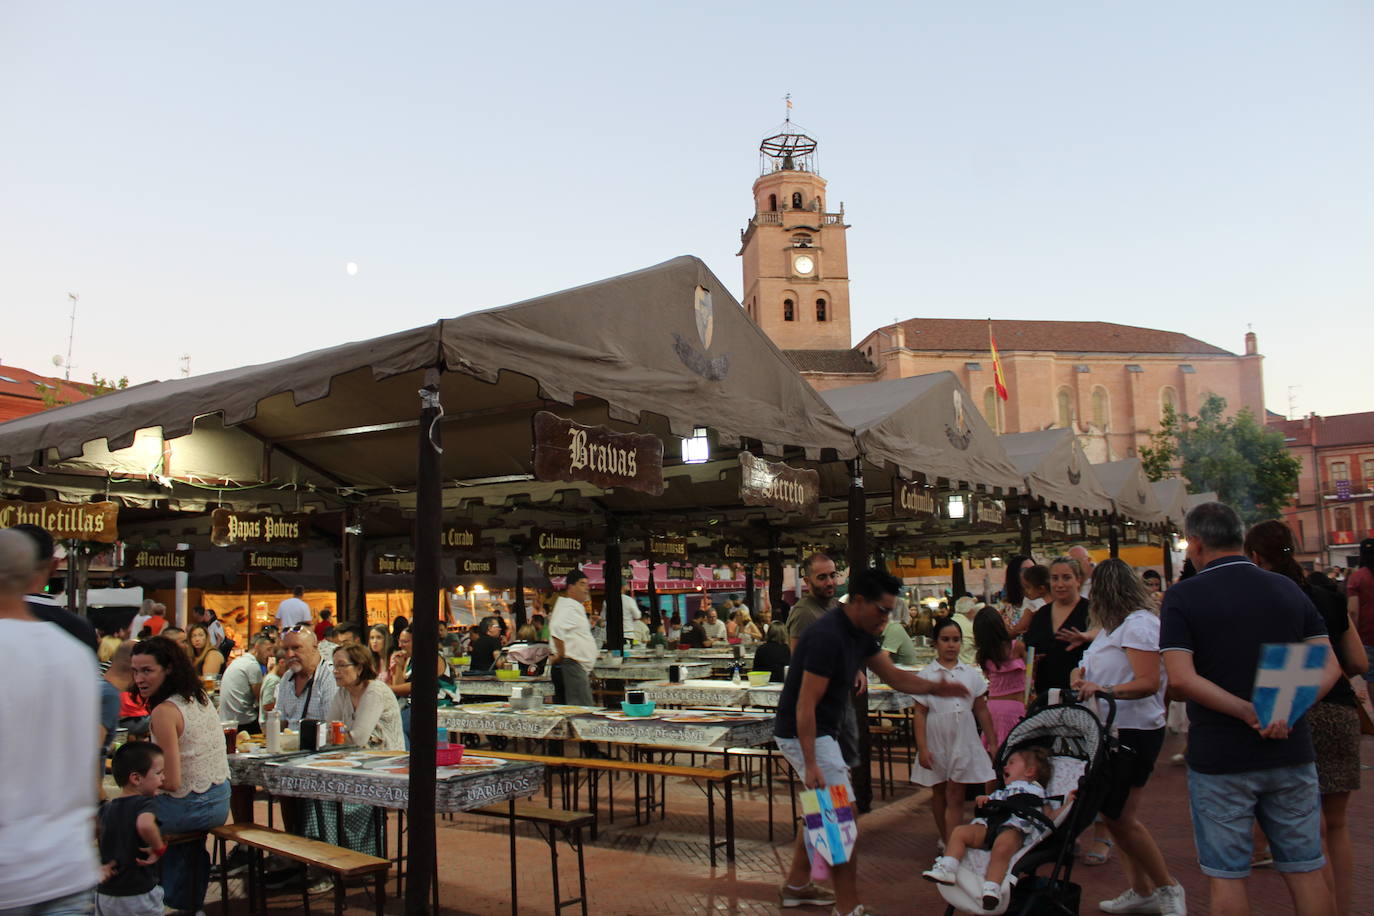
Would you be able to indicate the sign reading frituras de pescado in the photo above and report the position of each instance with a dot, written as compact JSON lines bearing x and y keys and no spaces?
{"x":476,"y":566}
{"x":388,"y":564}
{"x":560,"y":543}
{"x":460,"y":536}
{"x":666,"y":548}
{"x":169,"y":560}
{"x":564,"y":450}
{"x":913,"y":500}
{"x":228,"y":527}
{"x":253,"y":561}
{"x":65,"y":521}
{"x":779,"y":485}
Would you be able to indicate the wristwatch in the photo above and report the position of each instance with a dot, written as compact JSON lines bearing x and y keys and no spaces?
{"x":1109,"y":691}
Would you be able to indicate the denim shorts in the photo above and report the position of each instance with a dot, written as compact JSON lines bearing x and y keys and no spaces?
{"x":829,"y":758}
{"x":1225,"y":805}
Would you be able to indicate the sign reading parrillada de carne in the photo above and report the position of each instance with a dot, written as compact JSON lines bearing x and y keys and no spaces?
{"x":913,"y":500}
{"x":229,"y":527}
{"x":386,"y":564}
{"x":779,"y":485}
{"x":548,"y":542}
{"x":476,"y":566}
{"x":65,"y":521}
{"x":665,"y":548}
{"x":254,"y":561}
{"x":564,"y":450}
{"x":169,"y":560}
{"x":458,"y":537}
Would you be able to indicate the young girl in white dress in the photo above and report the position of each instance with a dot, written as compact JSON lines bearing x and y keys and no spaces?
{"x":951,"y":755}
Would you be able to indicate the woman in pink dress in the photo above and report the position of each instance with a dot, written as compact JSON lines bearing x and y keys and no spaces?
{"x":1003,"y":662}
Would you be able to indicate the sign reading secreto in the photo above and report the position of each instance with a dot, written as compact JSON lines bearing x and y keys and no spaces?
{"x":564,"y":450}
{"x":558,"y":543}
{"x":387,"y":564}
{"x":773,"y":483}
{"x":913,"y":500}
{"x":459,"y":537}
{"x":665,"y":548}
{"x":255,"y":561}
{"x":169,"y":560}
{"x":65,"y":521}
{"x":228,"y":526}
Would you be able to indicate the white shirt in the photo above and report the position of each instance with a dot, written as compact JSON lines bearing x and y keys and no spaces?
{"x":1105,"y":663}
{"x":629,"y":615}
{"x":715,"y":630}
{"x":236,"y":700}
{"x":569,"y":623}
{"x":48,"y":758}
{"x":291,"y":612}
{"x":961,"y":673}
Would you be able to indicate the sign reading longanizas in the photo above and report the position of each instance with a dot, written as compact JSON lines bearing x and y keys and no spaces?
{"x":773,"y":483}
{"x":65,"y":521}
{"x":564,"y":450}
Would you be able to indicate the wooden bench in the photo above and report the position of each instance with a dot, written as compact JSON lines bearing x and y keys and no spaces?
{"x":768,"y":756}
{"x":885,"y":736}
{"x":341,"y":863}
{"x":549,"y":823}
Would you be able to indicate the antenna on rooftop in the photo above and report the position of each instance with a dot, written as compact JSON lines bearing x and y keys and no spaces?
{"x":71,"y":335}
{"x":1293,"y":401}
{"x":185,"y":365}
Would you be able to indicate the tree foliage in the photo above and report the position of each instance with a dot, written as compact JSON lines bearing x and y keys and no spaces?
{"x":53,"y":396}
{"x":1159,"y":459}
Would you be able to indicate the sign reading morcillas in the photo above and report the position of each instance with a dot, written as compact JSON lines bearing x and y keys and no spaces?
{"x":913,"y":500}
{"x":254,"y":561}
{"x":168,"y":560}
{"x":665,"y":548}
{"x":387,"y":564}
{"x":779,"y":485}
{"x":476,"y":566}
{"x":64,"y":521}
{"x":564,"y":450}
{"x":457,"y":537}
{"x":228,"y":527}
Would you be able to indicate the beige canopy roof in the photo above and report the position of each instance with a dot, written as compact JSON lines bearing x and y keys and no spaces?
{"x":1131,"y":492}
{"x":1056,"y":470}
{"x":927,"y":425}
{"x":1172,"y":495}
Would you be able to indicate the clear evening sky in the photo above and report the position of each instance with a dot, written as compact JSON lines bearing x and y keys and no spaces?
{"x":201,"y":174}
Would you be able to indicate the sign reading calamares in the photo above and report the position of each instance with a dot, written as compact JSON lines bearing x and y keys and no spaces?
{"x":564,"y":450}
{"x":779,"y":485}
{"x":64,"y":521}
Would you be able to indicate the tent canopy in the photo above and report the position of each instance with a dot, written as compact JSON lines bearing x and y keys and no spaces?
{"x":1130,"y":489}
{"x":1172,"y":495}
{"x":1056,"y":470}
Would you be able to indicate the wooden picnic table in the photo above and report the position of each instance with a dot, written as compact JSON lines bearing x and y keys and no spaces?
{"x":685,"y":728}
{"x":881,"y":698}
{"x":495,"y":687}
{"x":649,"y":670}
{"x":696,"y":693}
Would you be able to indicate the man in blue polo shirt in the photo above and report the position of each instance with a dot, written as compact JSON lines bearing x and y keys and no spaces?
{"x":1212,"y":627}
{"x":819,"y":681}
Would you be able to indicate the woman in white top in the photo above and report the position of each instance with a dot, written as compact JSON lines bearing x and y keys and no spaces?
{"x":195,"y":783}
{"x":366,"y":706}
{"x":1123,"y":662}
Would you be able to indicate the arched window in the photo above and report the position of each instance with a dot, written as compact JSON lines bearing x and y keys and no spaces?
{"x":1101,"y":407}
{"x":1168,"y":400}
{"x":788,"y":310}
{"x":820,"y":310}
{"x":772,"y":203}
{"x":1065,"y":404}
{"x":990,"y":409}
{"x":797,"y":200}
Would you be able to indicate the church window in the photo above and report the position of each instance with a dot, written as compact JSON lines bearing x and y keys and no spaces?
{"x":990,"y":409}
{"x":797,"y":200}
{"x":1101,"y":407}
{"x":1168,"y":400}
{"x":1065,"y":403}
{"x":788,"y":310}
{"x":772,"y":202}
{"x":820,"y":310}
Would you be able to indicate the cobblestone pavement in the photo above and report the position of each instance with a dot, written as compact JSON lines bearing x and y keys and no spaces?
{"x":663,"y":868}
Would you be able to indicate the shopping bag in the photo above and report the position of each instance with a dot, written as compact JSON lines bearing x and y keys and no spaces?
{"x":1287,"y":680}
{"x":831,"y":826}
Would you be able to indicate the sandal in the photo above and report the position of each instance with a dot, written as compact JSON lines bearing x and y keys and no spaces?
{"x":1099,"y":858}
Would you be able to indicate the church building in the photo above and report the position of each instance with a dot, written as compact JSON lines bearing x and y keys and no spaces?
{"x":1109,"y":382}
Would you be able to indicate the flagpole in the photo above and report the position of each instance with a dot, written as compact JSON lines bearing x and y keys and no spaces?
{"x":1000,"y":419}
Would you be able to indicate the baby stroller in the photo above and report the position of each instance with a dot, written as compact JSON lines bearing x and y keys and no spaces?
{"x":1079,"y":747}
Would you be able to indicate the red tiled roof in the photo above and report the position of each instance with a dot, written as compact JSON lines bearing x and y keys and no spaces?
{"x":1063,"y":336}
{"x":847,"y":361}
{"x":1342,"y":429}
{"x":20,"y":396}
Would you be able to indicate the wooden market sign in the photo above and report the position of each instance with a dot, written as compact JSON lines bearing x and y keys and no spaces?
{"x":564,"y":450}
{"x":732,"y":551}
{"x":988,"y":512}
{"x":169,"y":560}
{"x":557,"y":569}
{"x":666,"y":548}
{"x":254,"y":561}
{"x":387,"y":564}
{"x":457,"y":537}
{"x":228,"y":527}
{"x":913,"y":500}
{"x":560,"y":543}
{"x":1055,"y":525}
{"x":476,"y":566}
{"x":779,"y":485}
{"x":680,"y":573}
{"x":64,"y":521}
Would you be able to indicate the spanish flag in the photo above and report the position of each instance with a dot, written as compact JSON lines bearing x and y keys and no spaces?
{"x":999,"y":379}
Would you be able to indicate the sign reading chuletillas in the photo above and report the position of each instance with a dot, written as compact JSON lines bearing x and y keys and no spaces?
{"x":666,"y":548}
{"x":170,"y":560}
{"x":460,"y":536}
{"x":912,"y":500}
{"x":562,"y":543}
{"x":228,"y":527}
{"x":476,"y":566}
{"x":253,"y":561}
{"x":65,"y":521}
{"x":564,"y":450}
{"x":387,"y":564}
{"x":773,"y":483}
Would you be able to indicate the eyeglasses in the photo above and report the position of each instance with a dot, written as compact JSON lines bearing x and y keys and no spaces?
{"x":344,"y":665}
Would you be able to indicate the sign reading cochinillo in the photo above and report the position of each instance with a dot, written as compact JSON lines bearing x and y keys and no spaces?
{"x":912,"y":500}
{"x":386,"y":564}
{"x":457,"y":537}
{"x":64,"y":521}
{"x":779,"y":485}
{"x":253,"y":561}
{"x":476,"y":566}
{"x":169,"y":560}
{"x":228,"y":527}
{"x":666,"y":548}
{"x":564,"y":450}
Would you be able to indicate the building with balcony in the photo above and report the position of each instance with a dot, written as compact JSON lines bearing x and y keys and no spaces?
{"x":1334,"y":507}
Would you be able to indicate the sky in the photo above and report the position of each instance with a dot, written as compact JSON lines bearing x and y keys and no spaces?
{"x":202,"y":175}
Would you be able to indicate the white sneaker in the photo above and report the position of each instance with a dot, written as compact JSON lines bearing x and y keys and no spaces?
{"x":942,"y":872}
{"x":1171,"y":900}
{"x":992,"y":895}
{"x":1128,"y":901}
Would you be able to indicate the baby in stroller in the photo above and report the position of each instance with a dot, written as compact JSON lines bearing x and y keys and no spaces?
{"x":1012,"y":817}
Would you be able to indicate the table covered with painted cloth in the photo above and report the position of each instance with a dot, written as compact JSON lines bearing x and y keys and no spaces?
{"x":495,"y":687}
{"x":881,"y":698}
{"x":696,"y":693}
{"x":686,"y":728}
{"x":649,"y":669}
{"x":549,"y":721}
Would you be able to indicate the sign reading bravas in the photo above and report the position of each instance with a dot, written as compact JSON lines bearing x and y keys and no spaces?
{"x":773,"y":483}
{"x":546,"y":541}
{"x":169,"y":560}
{"x":460,"y":536}
{"x":386,"y":564}
{"x":476,"y":566}
{"x":228,"y":526}
{"x":253,"y":561}
{"x":64,"y":521}
{"x":913,"y":500}
{"x":666,"y":548}
{"x":564,"y":450}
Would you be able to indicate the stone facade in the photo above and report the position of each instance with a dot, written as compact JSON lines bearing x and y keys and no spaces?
{"x":1334,"y":510}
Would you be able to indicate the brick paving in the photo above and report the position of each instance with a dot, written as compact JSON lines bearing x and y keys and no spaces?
{"x":663,"y":868}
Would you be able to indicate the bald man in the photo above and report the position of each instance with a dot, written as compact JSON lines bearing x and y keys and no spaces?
{"x":307,"y":688}
{"x":1085,"y":560}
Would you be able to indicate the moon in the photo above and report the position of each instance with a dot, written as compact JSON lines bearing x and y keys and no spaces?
{"x":351,"y":268}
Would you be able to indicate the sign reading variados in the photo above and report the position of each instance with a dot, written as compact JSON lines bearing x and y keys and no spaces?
{"x":564,"y":450}
{"x":773,"y":483}
{"x":64,"y":521}
{"x":228,"y":526}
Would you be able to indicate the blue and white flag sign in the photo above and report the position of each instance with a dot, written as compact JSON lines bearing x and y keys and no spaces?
{"x":1287,"y":681}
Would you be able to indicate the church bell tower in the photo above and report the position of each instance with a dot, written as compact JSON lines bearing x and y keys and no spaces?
{"x":796,"y":266}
